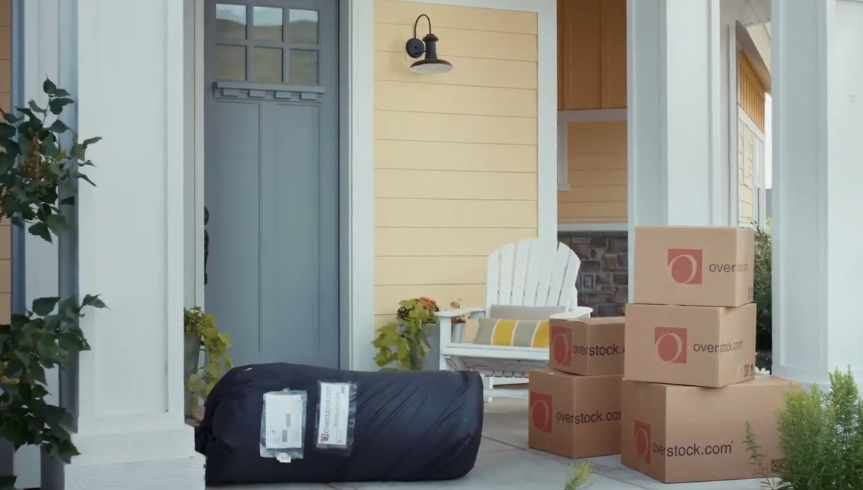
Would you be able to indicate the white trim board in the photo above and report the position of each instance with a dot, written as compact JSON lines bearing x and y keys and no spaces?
{"x":546,"y":11}
{"x":597,"y":115}
{"x":588,"y":227}
{"x":357,"y":136}
{"x":733,"y":109}
{"x":566,"y":117}
{"x":748,"y":122}
{"x":562,"y":163}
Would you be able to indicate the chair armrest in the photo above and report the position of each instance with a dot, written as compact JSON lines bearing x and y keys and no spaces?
{"x":450,"y":331}
{"x":459,"y":312}
{"x":577,"y":312}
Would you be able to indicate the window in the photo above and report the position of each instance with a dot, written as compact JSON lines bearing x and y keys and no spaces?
{"x":267,"y":45}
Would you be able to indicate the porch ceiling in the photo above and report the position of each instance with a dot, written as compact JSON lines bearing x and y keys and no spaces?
{"x":751,"y":12}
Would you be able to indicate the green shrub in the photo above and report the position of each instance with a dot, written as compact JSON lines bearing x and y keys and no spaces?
{"x":820,"y":438}
{"x":581,"y":477}
{"x":763,"y":292}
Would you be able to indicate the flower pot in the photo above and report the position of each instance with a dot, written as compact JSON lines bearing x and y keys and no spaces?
{"x":432,"y":360}
{"x":191,"y":362}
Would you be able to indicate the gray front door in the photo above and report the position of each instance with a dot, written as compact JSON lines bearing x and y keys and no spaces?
{"x":272,"y":178}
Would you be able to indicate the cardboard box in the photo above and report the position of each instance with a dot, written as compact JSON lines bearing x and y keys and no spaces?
{"x":587,"y":346}
{"x":694,"y":266}
{"x":690,"y":345}
{"x":574,"y":416}
{"x":682,"y":434}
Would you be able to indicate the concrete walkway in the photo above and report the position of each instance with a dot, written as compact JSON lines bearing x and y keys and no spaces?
{"x":505,"y":462}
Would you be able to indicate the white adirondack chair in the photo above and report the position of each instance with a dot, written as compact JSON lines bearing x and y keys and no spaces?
{"x":533,"y":272}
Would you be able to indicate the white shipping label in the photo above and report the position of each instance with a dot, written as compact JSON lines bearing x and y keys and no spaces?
{"x":283,"y":416}
{"x":335,"y":400}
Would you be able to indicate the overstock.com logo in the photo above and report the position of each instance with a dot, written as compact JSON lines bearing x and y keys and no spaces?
{"x":670,"y":344}
{"x":560,"y":348}
{"x":643,"y":441}
{"x":685,"y":265}
{"x":540,"y":411}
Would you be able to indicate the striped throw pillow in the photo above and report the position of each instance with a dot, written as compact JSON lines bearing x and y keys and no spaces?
{"x":512,"y":333}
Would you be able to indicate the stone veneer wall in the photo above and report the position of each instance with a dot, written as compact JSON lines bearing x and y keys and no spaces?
{"x":603,"y":278}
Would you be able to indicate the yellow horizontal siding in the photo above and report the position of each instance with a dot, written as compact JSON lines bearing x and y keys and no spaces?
{"x":471,"y":72}
{"x":433,"y":184}
{"x":462,"y":157}
{"x":454,"y":128}
{"x":445,"y":242}
{"x":455,"y":99}
{"x":452,"y":213}
{"x":597,"y":174}
{"x":455,"y":154}
{"x":466,"y":43}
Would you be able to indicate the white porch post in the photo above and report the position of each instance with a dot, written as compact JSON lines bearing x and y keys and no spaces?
{"x":677,"y":174}
{"x":817,"y":174}
{"x":128,"y":81}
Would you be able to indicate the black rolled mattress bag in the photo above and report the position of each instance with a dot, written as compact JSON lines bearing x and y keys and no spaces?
{"x":289,"y":423}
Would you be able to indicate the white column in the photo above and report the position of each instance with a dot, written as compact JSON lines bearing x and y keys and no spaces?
{"x":128,"y":82}
{"x":817,"y":176}
{"x":677,"y":173}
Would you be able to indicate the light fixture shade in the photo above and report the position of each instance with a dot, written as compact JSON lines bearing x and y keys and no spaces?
{"x":430,"y":64}
{"x":431,"y":67}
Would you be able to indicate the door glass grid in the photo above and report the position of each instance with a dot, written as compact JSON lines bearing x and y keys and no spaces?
{"x":267,"y":45}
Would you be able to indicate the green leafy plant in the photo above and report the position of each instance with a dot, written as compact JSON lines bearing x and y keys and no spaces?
{"x":820,"y":438}
{"x":38,"y":177}
{"x":580,"y":479}
{"x":403,"y":345}
{"x":763,"y":291}
{"x":215,"y":345}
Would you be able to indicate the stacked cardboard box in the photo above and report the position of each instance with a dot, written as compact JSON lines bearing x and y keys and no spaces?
{"x":574,"y":406}
{"x":689,"y":383}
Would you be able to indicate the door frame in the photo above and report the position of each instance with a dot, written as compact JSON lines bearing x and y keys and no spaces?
{"x":356,"y":174}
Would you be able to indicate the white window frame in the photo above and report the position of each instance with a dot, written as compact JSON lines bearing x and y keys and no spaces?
{"x":757,"y":182}
{"x":563,"y":120}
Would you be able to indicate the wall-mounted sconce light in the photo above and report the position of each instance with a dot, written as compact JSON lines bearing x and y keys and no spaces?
{"x":415,"y":47}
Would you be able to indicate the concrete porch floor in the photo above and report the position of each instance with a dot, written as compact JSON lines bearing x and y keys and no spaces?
{"x":505,"y":462}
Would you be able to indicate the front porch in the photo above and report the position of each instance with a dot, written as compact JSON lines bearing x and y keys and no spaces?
{"x":505,"y":462}
{"x":436,"y":212}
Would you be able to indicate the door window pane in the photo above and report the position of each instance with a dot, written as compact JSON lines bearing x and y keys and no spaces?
{"x":231,"y":62}
{"x":302,"y":26}
{"x":303,"y":68}
{"x":268,"y":23}
{"x":267,"y":66}
{"x":230,"y":21}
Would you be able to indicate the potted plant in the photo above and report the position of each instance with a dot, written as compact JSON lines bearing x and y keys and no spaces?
{"x":192,"y":344}
{"x":461,"y":318}
{"x":37,"y":183}
{"x":403,"y":345}
{"x":201,"y":333}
